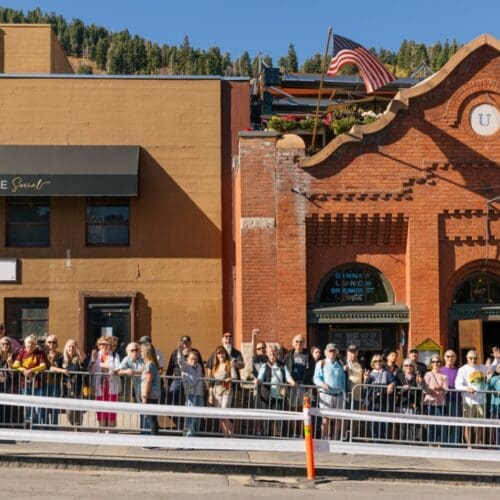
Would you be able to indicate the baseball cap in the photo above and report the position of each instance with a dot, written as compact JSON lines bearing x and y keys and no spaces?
{"x":352,"y":347}
{"x":145,"y":340}
{"x":185,"y":338}
{"x":330,"y":347}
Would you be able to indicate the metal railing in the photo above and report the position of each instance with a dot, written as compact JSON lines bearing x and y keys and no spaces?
{"x":366,"y":400}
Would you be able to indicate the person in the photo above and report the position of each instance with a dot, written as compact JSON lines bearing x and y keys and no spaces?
{"x":194,"y":387}
{"x":413,"y":354}
{"x":175,"y":391}
{"x":52,"y":380}
{"x":408,"y":397}
{"x":31,"y":361}
{"x":354,"y":380}
{"x":316,"y":353}
{"x":132,"y":365}
{"x":300,"y":364}
{"x":73,"y":363}
{"x":16,"y":346}
{"x":7,"y":381}
{"x":146,"y":339}
{"x":220,"y":391}
{"x":435,"y":389}
{"x":494,"y":359}
{"x":271,"y":379}
{"x":452,"y":433}
{"x":150,"y":383}
{"x":259,"y":358}
{"x":471,"y":381}
{"x":329,"y":377}
{"x":234,"y":354}
{"x":105,"y":364}
{"x":493,"y":380}
{"x":381,"y":387}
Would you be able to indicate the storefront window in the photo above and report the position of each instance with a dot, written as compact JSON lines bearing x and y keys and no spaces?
{"x":28,"y":222}
{"x":108,"y":222}
{"x":26,"y":316}
{"x":480,"y":288}
{"x":354,"y":285}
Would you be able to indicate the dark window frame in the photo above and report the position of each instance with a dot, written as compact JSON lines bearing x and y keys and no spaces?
{"x":10,"y":203}
{"x":467,"y":283}
{"x":11,"y":304}
{"x":106,"y":202}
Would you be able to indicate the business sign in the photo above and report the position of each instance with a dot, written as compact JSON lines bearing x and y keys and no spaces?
{"x":485,"y":119}
{"x":68,"y":185}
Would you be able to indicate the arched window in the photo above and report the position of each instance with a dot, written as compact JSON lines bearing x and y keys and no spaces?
{"x":480,"y":288}
{"x":355,"y":284}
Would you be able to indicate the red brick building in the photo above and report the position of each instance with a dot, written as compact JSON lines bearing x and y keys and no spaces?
{"x":389,"y":236}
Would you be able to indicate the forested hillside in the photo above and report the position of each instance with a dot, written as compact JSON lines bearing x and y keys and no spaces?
{"x":101,"y":50}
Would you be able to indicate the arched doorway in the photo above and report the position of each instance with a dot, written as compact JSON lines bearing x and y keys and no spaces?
{"x":355,"y":304}
{"x":475,"y":313}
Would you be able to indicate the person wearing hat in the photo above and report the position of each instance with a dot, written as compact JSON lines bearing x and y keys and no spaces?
{"x":330,"y":379}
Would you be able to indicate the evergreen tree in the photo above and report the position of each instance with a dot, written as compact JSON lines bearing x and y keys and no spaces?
{"x":444,"y":56}
{"x":436,"y":50}
{"x":245,"y":64}
{"x":292,"y":61}
{"x":283,"y":64}
{"x":268,"y":60}
{"x":101,"y":55}
{"x":76,"y":35}
{"x":313,"y":64}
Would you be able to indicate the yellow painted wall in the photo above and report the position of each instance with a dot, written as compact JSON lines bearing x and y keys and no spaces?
{"x":174,"y":258}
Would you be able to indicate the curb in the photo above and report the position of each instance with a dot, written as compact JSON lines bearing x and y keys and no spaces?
{"x":235,"y":468}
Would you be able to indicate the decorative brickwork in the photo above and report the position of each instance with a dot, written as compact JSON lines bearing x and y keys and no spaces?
{"x":406,"y":195}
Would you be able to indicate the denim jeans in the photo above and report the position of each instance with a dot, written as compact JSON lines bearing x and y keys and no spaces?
{"x":150,"y":422}
{"x":434,"y":430}
{"x":32,"y":415}
{"x":49,"y":417}
{"x":192,"y":425}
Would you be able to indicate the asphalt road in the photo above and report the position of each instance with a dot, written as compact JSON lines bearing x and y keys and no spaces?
{"x":24,"y":483}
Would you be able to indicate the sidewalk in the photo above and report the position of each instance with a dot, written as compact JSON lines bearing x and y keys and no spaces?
{"x":354,"y":467}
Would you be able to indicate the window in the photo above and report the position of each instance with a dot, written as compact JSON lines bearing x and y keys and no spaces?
{"x":28,"y":222}
{"x":108,"y":222}
{"x":354,"y":284}
{"x":480,"y":288}
{"x":26,"y":316}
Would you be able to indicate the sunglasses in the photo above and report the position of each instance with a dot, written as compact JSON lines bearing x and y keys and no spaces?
{"x":51,"y":342}
{"x":134,"y":350}
{"x":435,"y":361}
{"x":470,"y":357}
{"x":377,"y":361}
{"x":260,"y":347}
{"x":449,"y":356}
{"x":101,"y":345}
{"x":299,"y":341}
{"x":5,"y":343}
{"x":408,"y":366}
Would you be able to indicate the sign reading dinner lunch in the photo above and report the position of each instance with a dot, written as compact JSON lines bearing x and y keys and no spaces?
{"x":24,"y":185}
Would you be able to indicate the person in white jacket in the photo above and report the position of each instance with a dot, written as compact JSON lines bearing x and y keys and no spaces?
{"x":471,"y":379}
{"x":104,"y":364}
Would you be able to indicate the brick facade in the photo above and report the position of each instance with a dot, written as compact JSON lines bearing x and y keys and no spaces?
{"x":405,"y":195}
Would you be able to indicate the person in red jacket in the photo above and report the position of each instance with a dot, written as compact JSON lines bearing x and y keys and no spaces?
{"x":30,"y":361}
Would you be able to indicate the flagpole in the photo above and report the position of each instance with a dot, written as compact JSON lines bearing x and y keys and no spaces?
{"x":316,"y":115}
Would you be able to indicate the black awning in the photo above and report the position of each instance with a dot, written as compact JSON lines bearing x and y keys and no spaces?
{"x":69,"y":170}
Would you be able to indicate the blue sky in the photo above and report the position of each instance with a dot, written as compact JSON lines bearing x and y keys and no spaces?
{"x":269,"y":26}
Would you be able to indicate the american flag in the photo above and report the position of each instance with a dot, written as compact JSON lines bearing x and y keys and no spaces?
{"x":373,"y":72}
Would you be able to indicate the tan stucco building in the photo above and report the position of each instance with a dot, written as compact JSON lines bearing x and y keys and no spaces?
{"x":125,"y":234}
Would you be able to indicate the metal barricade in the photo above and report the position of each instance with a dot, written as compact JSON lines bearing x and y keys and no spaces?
{"x":422,"y":401}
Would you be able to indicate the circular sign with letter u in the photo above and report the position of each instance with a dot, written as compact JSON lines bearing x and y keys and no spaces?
{"x":485,"y":119}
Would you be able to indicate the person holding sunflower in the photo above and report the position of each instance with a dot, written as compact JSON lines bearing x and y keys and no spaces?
{"x":471,"y":379}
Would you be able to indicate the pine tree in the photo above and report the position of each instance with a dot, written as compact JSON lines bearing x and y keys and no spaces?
{"x":245,"y":64}
{"x":313,"y":65}
{"x":436,"y":50}
{"x":213,"y":61}
{"x":444,"y":56}
{"x":101,"y":54}
{"x":292,"y":61}
{"x":76,"y":35}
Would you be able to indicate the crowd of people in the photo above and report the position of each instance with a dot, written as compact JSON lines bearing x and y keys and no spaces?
{"x":273,"y":378}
